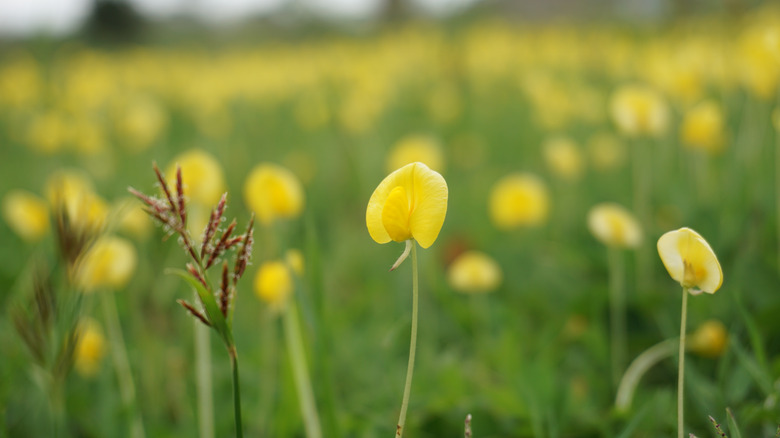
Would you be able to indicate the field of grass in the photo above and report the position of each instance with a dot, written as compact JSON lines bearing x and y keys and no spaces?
{"x":478,"y":101}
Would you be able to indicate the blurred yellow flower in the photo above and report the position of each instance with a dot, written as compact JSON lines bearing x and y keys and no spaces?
{"x":709,"y":340}
{"x":274,"y":283}
{"x":474,"y":272}
{"x":201,"y":173}
{"x":639,"y":110}
{"x":109,"y":263}
{"x":606,"y":151}
{"x":413,"y":148}
{"x":410,"y":203}
{"x":73,"y":191}
{"x":140,"y":122}
{"x":519,"y":199}
{"x":48,"y":132}
{"x":613,"y":225}
{"x":294,"y":259}
{"x":444,"y":103}
{"x":690,"y":261}
{"x":26,"y":214}
{"x":90,"y":348}
{"x":132,"y":219}
{"x":563,"y":158}
{"x":702,"y":127}
{"x":273,"y":192}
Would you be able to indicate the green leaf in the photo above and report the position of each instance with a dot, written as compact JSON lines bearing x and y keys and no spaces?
{"x":215,"y":316}
{"x":733,"y":428}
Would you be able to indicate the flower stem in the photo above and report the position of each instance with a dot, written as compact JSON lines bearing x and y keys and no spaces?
{"x":617,"y":310}
{"x":308,"y":407}
{"x":637,"y":369}
{"x":681,"y":367}
{"x":399,"y":430}
{"x":203,"y":379}
{"x":236,"y":391}
{"x":121,"y":363}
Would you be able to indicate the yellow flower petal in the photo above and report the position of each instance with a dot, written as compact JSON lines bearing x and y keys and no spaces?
{"x":690,"y":261}
{"x":395,"y":215}
{"x":426,"y":193}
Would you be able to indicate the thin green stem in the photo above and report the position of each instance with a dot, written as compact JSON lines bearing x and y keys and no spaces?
{"x":637,"y":369}
{"x":617,"y":311}
{"x":306,"y":401}
{"x":236,"y":391}
{"x":121,"y":363}
{"x":681,"y":367}
{"x":777,"y":194}
{"x":203,"y":384}
{"x":399,"y":430}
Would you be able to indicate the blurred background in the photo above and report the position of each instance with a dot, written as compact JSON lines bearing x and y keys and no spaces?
{"x":534,"y":112}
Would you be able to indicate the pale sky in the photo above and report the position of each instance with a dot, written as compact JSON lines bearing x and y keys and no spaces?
{"x":25,"y":17}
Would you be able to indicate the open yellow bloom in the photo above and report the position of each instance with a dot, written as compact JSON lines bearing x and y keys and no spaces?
{"x":563,"y":157}
{"x":702,"y":127}
{"x":639,"y":110}
{"x":109,"y":263}
{"x":416,"y":147}
{"x":204,"y":181}
{"x":90,"y":348}
{"x":410,"y":203}
{"x":474,"y":272}
{"x":690,"y":261}
{"x":273,"y":192}
{"x":26,"y":214}
{"x":613,"y":225}
{"x":519,"y":199}
{"x":274,"y":283}
{"x":710,"y":339}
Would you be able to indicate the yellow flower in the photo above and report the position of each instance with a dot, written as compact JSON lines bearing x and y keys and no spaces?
{"x":563,"y":157}
{"x":26,"y":214}
{"x":274,"y":283}
{"x":519,"y":199}
{"x":410,"y":203}
{"x":690,"y":261}
{"x":702,"y":127}
{"x":73,"y":191}
{"x":204,"y":182}
{"x":606,"y":151}
{"x":413,"y":148}
{"x":90,"y":348}
{"x":133,"y":220}
{"x":474,"y":272}
{"x":710,"y":339}
{"x":110,"y":263}
{"x":294,"y":259}
{"x":613,"y":225}
{"x":273,"y":192}
{"x":48,"y":132}
{"x":140,"y":122}
{"x":638,"y":111}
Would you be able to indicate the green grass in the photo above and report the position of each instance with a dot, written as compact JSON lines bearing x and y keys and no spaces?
{"x":510,"y":358}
